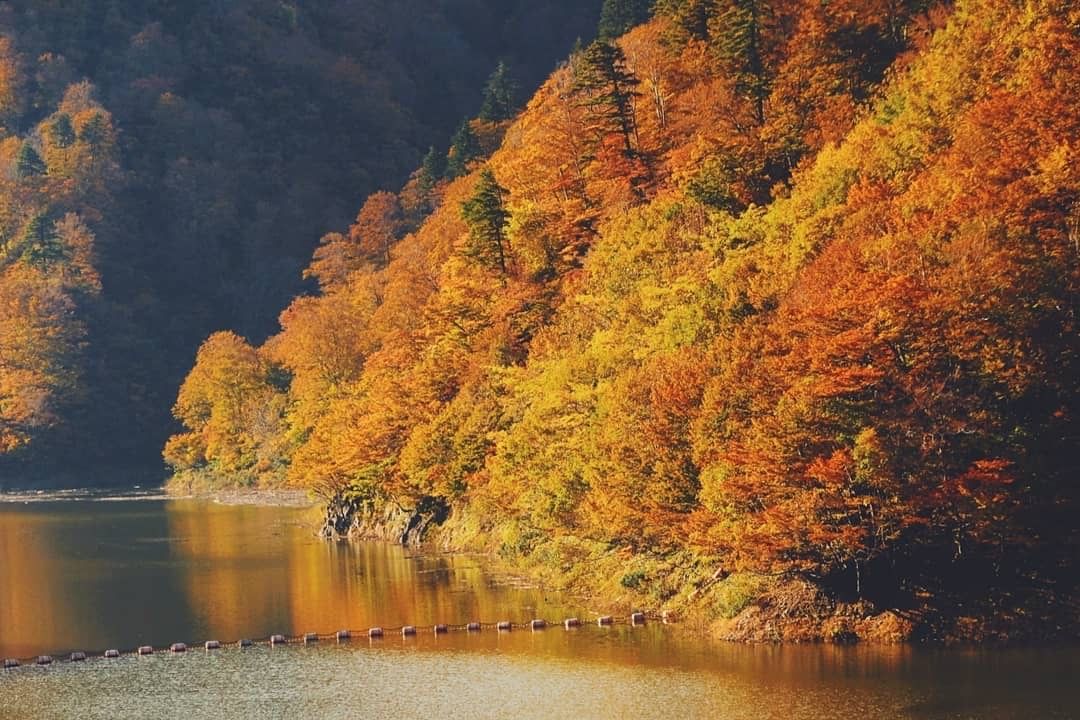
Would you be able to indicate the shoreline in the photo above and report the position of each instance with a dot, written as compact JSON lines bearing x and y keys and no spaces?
{"x":256,"y":497}
{"x":737,"y":607}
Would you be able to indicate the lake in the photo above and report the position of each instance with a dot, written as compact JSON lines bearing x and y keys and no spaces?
{"x":91,"y":572}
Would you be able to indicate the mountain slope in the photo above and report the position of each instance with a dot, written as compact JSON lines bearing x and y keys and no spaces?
{"x":767,"y":311}
{"x":236,"y":134}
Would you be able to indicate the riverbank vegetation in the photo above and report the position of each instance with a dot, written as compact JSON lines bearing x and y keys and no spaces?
{"x":763,"y":309}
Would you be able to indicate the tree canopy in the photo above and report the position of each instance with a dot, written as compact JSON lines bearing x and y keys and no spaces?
{"x":772,"y":291}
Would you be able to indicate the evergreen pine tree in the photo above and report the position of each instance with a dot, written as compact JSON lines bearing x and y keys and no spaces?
{"x":28,"y":162}
{"x":433,"y":169}
{"x":608,"y":90}
{"x":618,"y":16}
{"x":61,"y":132}
{"x":464,"y":148}
{"x":499,"y":95}
{"x":486,"y":215}
{"x":738,"y":32}
{"x":93,"y":132}
{"x":689,"y":18}
{"x":40,"y":245}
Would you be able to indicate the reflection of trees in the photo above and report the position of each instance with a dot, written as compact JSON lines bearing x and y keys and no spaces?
{"x":249,"y":571}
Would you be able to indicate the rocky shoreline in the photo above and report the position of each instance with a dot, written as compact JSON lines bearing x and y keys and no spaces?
{"x":357,"y":520}
{"x":776,"y":611}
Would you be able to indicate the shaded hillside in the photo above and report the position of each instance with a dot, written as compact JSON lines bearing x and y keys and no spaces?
{"x":228,"y":138}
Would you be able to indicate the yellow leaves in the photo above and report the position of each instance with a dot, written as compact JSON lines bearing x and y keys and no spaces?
{"x":535,"y":247}
{"x":323,"y":342}
{"x":49,"y":275}
{"x":796,"y":385}
{"x":39,"y":344}
{"x":229,"y":401}
{"x":1056,"y":168}
{"x":186,"y":450}
{"x":333,"y":261}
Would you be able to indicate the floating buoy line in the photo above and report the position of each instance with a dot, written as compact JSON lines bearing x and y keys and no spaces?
{"x":341,"y":636}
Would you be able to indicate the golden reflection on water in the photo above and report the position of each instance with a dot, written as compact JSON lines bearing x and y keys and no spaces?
{"x":28,"y":602}
{"x":92,"y":575}
{"x":247,"y":574}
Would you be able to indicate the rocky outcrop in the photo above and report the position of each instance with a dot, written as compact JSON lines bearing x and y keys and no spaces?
{"x":363,"y":520}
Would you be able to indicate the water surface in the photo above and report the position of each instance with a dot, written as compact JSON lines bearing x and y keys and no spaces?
{"x":79,"y":573}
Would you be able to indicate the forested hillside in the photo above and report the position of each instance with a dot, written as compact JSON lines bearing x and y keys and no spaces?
{"x":168,"y":168}
{"x":763,"y":305}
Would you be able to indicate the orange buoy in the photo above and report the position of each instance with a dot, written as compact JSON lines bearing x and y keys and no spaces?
{"x":277,"y":639}
{"x":212,"y":645}
{"x":504,"y":625}
{"x":145,"y":650}
{"x":11,"y":664}
{"x":178,"y":648}
{"x":637,"y":618}
{"x":343,"y":635}
{"x":538,"y":624}
{"x":112,"y":654}
{"x":44,"y":660}
{"x":571,"y":623}
{"x":441,"y":629}
{"x":245,"y":643}
{"x":310,"y":638}
{"x":408,"y":630}
{"x":375,"y":632}
{"x":77,"y":656}
{"x":473,"y":627}
{"x":605,"y":620}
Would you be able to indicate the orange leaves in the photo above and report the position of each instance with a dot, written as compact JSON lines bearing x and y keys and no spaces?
{"x":232,"y":407}
{"x":333,"y":261}
{"x":809,"y":463}
{"x":895,"y":396}
{"x":39,"y":343}
{"x":868,"y":365}
{"x":378,"y":227}
{"x":646,"y":482}
{"x":54,"y":199}
{"x":376,"y":230}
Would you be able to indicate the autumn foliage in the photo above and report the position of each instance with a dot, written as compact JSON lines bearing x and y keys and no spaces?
{"x":789,"y":287}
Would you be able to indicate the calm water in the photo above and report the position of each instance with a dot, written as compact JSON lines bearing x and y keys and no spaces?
{"x":94,"y":574}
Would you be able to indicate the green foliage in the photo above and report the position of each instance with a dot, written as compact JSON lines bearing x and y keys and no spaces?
{"x":689,"y":18}
{"x":713,"y":183}
{"x":205,"y":153}
{"x":464,"y":149}
{"x":28,"y":162}
{"x":618,"y":16}
{"x":856,"y":369}
{"x":61,"y":132}
{"x":734,"y":594}
{"x":500,"y":100}
{"x":486,"y":215}
{"x":432,"y":169}
{"x":738,"y":32}
{"x":93,"y":131}
{"x":607,"y":88}
{"x":40,"y":245}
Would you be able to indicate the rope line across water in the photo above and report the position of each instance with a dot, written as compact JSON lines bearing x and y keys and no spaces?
{"x":375,"y":632}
